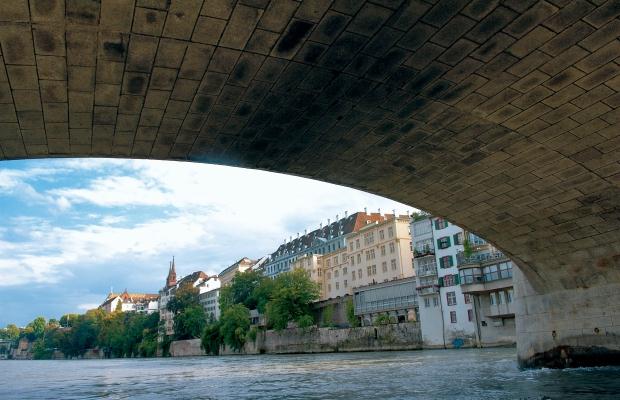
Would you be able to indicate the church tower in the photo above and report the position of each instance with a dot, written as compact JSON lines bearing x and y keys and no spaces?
{"x":172,"y":275}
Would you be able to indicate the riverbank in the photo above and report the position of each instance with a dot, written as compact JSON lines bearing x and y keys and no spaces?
{"x":403,"y":336}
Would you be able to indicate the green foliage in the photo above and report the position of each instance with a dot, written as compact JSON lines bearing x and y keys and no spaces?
{"x":305,"y":321}
{"x":250,"y":288}
{"x":467,"y":248}
{"x":211,"y":339}
{"x":11,"y":332}
{"x":353,"y":320}
{"x":185,"y":297}
{"x":234,"y":326}
{"x":328,"y":316}
{"x":190,"y":322}
{"x":292,"y":295}
{"x":34,"y":329}
{"x":382,"y":319}
{"x":68,"y":319}
{"x":253,"y":333}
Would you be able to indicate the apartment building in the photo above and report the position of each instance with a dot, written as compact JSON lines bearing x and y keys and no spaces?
{"x":209,"y":297}
{"x":456,"y":307}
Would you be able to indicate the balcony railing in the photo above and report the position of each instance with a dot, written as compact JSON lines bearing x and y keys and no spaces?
{"x":427,"y":289}
{"x":480,"y":277}
{"x":427,"y":251}
{"x":479,"y":258}
{"x":422,"y":272}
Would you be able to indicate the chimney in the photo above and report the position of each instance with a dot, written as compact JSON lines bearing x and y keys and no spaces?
{"x":379,"y":211}
{"x":336,"y":217}
{"x":365,"y":210}
{"x":329,"y":221}
{"x":321,"y":225}
{"x":394,"y":212}
{"x":305,"y":232}
{"x":297,"y":235}
{"x":346,"y":214}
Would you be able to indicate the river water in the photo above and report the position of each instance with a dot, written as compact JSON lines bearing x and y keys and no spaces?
{"x":432,"y":374}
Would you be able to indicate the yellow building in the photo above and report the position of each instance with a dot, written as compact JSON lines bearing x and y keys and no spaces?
{"x":378,"y":252}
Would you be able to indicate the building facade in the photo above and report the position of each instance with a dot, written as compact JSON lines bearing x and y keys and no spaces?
{"x":209,"y":296}
{"x":454,"y":311}
{"x":131,"y":302}
{"x":326,"y":239}
{"x":395,"y":298}
{"x":227,"y":275}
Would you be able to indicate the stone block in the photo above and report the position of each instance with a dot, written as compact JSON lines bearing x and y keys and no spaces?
{"x":48,"y":41}
{"x":600,"y":57}
{"x":104,"y":115}
{"x":196,"y":60}
{"x":277,"y":15}
{"x":81,"y":48}
{"x":22,"y":76}
{"x":30,"y":119}
{"x":568,"y":15}
{"x":163,"y":78}
{"x":170,"y":53}
{"x":603,"y":14}
{"x":109,"y":72}
{"x":491,"y":24}
{"x":181,"y":19}
{"x":80,"y":101}
{"x":151,"y":117}
{"x":47,"y":11}
{"x":116,"y":15}
{"x":184,"y":89}
{"x":442,"y":12}
{"x":601,"y":36}
{"x":147,"y":21}
{"x":531,"y":19}
{"x":262,"y":41}
{"x":17,"y":47}
{"x":240,"y":26}
{"x":113,"y":46}
{"x":156,"y":99}
{"x":14,"y":11}
{"x":107,"y":94}
{"x":141,"y":53}
{"x":53,"y":91}
{"x":563,"y":79}
{"x":55,"y":112}
{"x":567,"y":38}
{"x":530,"y":41}
{"x":81,"y":79}
{"x":27,"y":100}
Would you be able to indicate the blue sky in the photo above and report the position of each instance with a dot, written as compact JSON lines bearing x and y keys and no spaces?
{"x":71,"y":229}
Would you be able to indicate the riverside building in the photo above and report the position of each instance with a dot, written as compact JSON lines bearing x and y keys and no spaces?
{"x":456,"y":308}
{"x":131,"y":302}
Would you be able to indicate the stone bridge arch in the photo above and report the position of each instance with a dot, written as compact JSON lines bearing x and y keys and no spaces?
{"x":502,"y":117}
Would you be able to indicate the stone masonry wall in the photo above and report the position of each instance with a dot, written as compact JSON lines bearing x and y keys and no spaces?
{"x":404,"y":336}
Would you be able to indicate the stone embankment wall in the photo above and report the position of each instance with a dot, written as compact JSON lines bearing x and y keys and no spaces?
{"x":404,"y":336}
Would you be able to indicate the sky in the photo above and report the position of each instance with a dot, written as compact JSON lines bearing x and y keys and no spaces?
{"x":71,"y":230}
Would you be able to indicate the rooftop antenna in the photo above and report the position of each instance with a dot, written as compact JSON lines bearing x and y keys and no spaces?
{"x":346,"y":214}
{"x":379,"y":210}
{"x":365,"y":210}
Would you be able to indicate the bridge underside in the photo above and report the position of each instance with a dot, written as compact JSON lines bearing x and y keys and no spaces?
{"x":501,"y":117}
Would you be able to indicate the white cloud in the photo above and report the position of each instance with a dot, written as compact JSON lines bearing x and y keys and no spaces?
{"x":209,"y":216}
{"x":87,"y":306}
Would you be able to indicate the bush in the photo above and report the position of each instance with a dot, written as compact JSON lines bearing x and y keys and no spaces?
{"x":354,"y":321}
{"x":305,"y":321}
{"x":382,"y":319}
{"x":252,"y":334}
{"x":328,"y":316}
{"x":235,"y":323}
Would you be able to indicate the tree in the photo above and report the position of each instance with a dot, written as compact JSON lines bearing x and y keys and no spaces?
{"x":11,"y":332}
{"x":292,"y":296}
{"x":67,"y":320}
{"x":189,"y":323}
{"x":250,"y":288}
{"x":235,"y":323}
{"x":211,"y":339}
{"x":354,"y":321}
{"x":35,"y":329}
{"x":328,"y":316}
{"x":184,"y":297}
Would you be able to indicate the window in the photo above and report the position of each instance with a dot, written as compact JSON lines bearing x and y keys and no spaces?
{"x":337,"y":285}
{"x":372,"y":254}
{"x":344,"y":271}
{"x":381,"y":234}
{"x":352,"y":275}
{"x":328,"y":263}
{"x":467,"y":298}
{"x":435,"y":301}
{"x":329,"y":287}
{"x":422,"y":228}
{"x":369,"y":238}
{"x":382,"y":250}
{"x":345,"y":283}
{"x":392,"y":247}
{"x":492,"y":300}
{"x":393,"y":264}
{"x":509,"y":295}
{"x":357,"y":243}
{"x":441,"y":223}
{"x":448,"y":280}
{"x":500,"y":298}
{"x":453,"y":317}
{"x":336,"y":273}
{"x":443,"y":242}
{"x":329,"y":275}
{"x":384,"y":266}
{"x":374,"y":270}
{"x":451,"y":298}
{"x":359,"y":273}
{"x":350,"y":246}
{"x":446,"y":262}
{"x":308,"y":262}
{"x":458,"y":238}
{"x":470,"y":315}
{"x":427,"y":302}
{"x":390,"y":232}
{"x":359,"y":258}
{"x":335,"y":260}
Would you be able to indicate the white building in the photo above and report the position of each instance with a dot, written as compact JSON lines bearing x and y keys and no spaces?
{"x":209,"y":296}
{"x":458,"y":302}
{"x":131,"y":302}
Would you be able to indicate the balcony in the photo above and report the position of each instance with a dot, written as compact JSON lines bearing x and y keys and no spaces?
{"x":473,"y":280}
{"x":479,"y":259}
{"x":425,"y":252}
{"x":427,"y":290}
{"x":422,"y":272}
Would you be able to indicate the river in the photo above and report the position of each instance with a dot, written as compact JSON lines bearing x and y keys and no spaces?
{"x":430,"y":374}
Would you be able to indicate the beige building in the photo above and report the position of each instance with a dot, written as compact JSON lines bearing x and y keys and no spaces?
{"x":378,"y":252}
{"x":131,"y":302}
{"x":227,"y":275}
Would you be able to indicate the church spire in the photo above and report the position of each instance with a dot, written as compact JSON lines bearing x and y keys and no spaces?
{"x":172,"y":275}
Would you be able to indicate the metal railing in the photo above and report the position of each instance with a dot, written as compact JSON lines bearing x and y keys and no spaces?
{"x":479,"y":258}
{"x":428,"y":289}
{"x":422,"y":272}
{"x":480,"y":277}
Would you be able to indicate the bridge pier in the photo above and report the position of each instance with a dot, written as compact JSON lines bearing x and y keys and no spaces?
{"x":567,"y":328}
